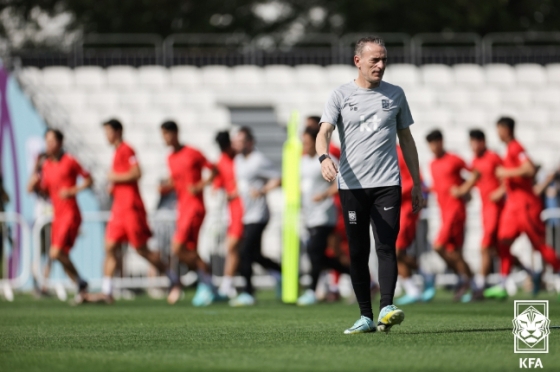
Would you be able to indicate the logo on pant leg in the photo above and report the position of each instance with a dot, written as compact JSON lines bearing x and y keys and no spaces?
{"x":352,"y":218}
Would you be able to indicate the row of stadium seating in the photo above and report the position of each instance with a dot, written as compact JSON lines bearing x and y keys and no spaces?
{"x":280,"y":76}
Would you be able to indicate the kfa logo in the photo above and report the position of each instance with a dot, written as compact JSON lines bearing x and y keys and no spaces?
{"x":370,"y":125}
{"x":531,"y":327}
{"x":530,"y":363}
{"x":385,"y":103}
{"x":352,"y":218}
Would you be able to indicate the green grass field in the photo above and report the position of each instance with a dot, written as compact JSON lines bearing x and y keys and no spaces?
{"x":149,"y":335}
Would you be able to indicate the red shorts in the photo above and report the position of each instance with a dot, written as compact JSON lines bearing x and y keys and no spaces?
{"x":452,"y":231}
{"x":408,"y":224}
{"x":64,"y":231}
{"x":235,"y":228}
{"x":129,"y":227}
{"x":523,"y":217}
{"x":491,"y":213}
{"x":188,"y":227}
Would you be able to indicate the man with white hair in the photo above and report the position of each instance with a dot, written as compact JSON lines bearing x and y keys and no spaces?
{"x":369,"y":114}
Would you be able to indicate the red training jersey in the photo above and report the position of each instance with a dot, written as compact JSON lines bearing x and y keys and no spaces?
{"x":61,"y":175}
{"x":486,"y":165}
{"x":186,"y":167}
{"x":517,"y":187}
{"x":226,"y":177}
{"x":446,"y":173}
{"x":406,"y":178}
{"x":126,"y":195}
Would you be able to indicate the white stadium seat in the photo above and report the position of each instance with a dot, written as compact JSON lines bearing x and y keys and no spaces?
{"x":553,"y":73}
{"x":31,"y":76}
{"x":186,"y":119}
{"x":486,"y":97}
{"x":189,"y":77}
{"x":155,"y":77}
{"x":217,"y":77}
{"x":247,"y":77}
{"x":536,"y":118}
{"x":500,"y":75}
{"x":431,"y":119}
{"x":530,"y":74}
{"x":218,"y":118}
{"x":340,"y":74}
{"x":312,"y":76}
{"x":86,"y":119}
{"x":470,"y":118}
{"x":58,"y":77}
{"x":422,"y":98}
{"x":72,"y":101}
{"x":122,"y":77}
{"x":404,"y":75}
{"x":104,"y":100}
{"x":136,"y":100}
{"x":468,"y":75}
{"x":279,"y":76}
{"x":547,"y":97}
{"x":90,"y":77}
{"x":201,"y":100}
{"x":518,"y":97}
{"x":124,"y":116}
{"x":148,"y":120}
{"x":440,"y":75}
{"x":168,"y":99}
{"x":458,"y":97}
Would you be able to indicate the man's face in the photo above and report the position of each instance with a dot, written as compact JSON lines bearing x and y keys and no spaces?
{"x":241,"y":144}
{"x":169,"y":137}
{"x":503,"y":132}
{"x":477,"y":146}
{"x":372,"y":62}
{"x":436,"y":147}
{"x":52,"y":145}
{"x":308,"y":145}
{"x":111,"y":134}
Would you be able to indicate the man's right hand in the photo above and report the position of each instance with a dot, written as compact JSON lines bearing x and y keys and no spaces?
{"x":329,"y":170}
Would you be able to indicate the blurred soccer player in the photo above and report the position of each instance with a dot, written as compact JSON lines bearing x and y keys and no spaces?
{"x":57,"y":179}
{"x":319,"y":215}
{"x":407,"y":234}
{"x":226,"y":179}
{"x":522,"y":209}
{"x":185,"y":166}
{"x":128,"y":222}
{"x":492,"y":196}
{"x":255,"y":176}
{"x":450,"y":187}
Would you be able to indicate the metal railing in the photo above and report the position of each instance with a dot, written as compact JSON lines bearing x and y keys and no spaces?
{"x":322,"y":49}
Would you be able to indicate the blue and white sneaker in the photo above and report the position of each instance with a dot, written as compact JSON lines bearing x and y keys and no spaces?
{"x":204,"y":295}
{"x":362,"y":325}
{"x":406,"y":300}
{"x":307,"y":298}
{"x":244,"y":299}
{"x":388,"y":317}
{"x":428,"y":294}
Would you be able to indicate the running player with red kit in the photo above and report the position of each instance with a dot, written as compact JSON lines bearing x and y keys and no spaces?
{"x":128,"y":222}
{"x":225,"y":179}
{"x":522,"y":208}
{"x":450,"y":188}
{"x":185,"y":166}
{"x":58,"y":180}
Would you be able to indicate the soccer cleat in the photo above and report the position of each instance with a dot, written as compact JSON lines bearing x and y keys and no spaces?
{"x":204,"y":295}
{"x":362,"y":325}
{"x":244,"y":299}
{"x":174,"y":294}
{"x":308,"y":298}
{"x":406,"y":300}
{"x":497,"y":292}
{"x":467,"y":297}
{"x":388,"y":317}
{"x":461,"y":291}
{"x":428,"y":294}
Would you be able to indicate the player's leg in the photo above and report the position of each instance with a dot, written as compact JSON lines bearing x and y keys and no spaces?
{"x":273,"y":267}
{"x":233,"y":241}
{"x":405,"y":263}
{"x":356,"y":206}
{"x":535,"y":229}
{"x":250,"y":244}
{"x":385,"y":218}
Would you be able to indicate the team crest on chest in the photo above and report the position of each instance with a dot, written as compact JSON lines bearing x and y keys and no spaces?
{"x":385,"y":104}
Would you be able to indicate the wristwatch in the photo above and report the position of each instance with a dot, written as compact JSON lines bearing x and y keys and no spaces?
{"x":323,"y":157}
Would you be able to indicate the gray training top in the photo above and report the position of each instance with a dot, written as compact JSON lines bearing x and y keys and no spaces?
{"x":367,"y":121}
{"x":315,"y":213}
{"x":252,"y":173}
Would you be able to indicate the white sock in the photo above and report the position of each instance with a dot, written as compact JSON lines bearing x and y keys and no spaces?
{"x":479,"y":281}
{"x":226,"y":286}
{"x":173,"y":278}
{"x":107,"y":286}
{"x":333,"y":283}
{"x":204,"y":277}
{"x":410,"y":288}
{"x":503,"y":279}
